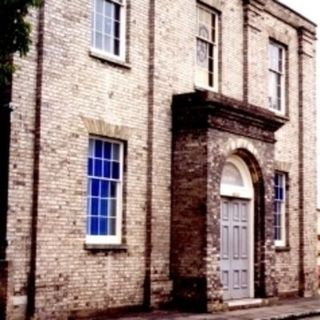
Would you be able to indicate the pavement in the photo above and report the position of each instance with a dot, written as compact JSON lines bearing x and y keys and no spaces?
{"x":308,"y":309}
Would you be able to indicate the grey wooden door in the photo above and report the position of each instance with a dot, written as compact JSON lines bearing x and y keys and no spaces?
{"x":235,"y":249}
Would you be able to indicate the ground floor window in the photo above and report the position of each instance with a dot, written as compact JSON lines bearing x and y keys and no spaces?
{"x":104,"y":195}
{"x":279,"y":208}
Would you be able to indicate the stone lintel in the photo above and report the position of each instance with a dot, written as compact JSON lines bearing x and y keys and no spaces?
{"x":282,"y":166}
{"x":204,"y":109}
{"x":101,"y":128}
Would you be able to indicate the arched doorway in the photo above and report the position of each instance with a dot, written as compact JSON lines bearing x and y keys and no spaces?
{"x":237,"y":237}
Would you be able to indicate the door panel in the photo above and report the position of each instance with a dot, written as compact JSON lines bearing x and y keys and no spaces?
{"x":235,"y":259}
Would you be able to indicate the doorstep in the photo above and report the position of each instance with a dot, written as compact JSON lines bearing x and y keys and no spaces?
{"x":248,"y":303}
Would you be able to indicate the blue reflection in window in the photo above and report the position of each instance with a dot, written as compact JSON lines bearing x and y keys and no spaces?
{"x":106,"y":169}
{"x":104,"y":208}
{"x":113,"y":189}
{"x":94,"y":206}
{"x":98,"y":168}
{"x":103,"y":226}
{"x":90,"y":167}
{"x":94,"y":226}
{"x":95,"y":187}
{"x":104,"y":189}
{"x":281,"y":194}
{"x":107,"y":150}
{"x":98,"y":149}
{"x":115,"y":170}
{"x":103,"y":179}
{"x":278,"y":206}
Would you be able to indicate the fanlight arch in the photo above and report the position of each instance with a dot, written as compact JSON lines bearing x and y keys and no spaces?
{"x":236,"y":179}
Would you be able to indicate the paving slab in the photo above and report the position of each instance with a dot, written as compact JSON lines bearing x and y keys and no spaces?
{"x":308,"y":309}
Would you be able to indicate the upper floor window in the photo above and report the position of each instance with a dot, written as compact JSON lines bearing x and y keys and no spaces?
{"x":276,"y":77}
{"x":279,"y":209}
{"x":108,"y":27}
{"x":207,"y":50}
{"x":104,"y":197}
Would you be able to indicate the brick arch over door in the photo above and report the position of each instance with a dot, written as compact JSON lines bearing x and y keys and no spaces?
{"x":259,"y":220}
{"x":262,"y":175}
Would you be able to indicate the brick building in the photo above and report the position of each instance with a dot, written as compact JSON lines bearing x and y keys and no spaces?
{"x":161,"y":152}
{"x":318,"y":259}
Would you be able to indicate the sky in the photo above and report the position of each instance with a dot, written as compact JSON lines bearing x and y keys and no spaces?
{"x":308,"y":8}
{"x":311,"y":10}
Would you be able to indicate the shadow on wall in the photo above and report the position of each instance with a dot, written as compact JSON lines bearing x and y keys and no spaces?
{"x":4,"y":271}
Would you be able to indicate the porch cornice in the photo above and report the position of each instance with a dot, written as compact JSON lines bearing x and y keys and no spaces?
{"x":204,"y":109}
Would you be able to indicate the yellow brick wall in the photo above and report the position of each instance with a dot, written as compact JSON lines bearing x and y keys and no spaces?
{"x":77,"y":86}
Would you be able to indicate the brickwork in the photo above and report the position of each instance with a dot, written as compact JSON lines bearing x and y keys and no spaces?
{"x":189,"y":197}
{"x":82,"y":279}
{"x":75,"y":278}
{"x":318,"y":249}
{"x":255,"y":80}
{"x":307,"y":191}
{"x":62,"y":94}
{"x":196,"y":192}
{"x":6,"y":289}
{"x":21,"y":173}
{"x":288,"y":261}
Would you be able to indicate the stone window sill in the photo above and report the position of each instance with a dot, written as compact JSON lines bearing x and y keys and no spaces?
{"x":198,"y":87}
{"x":108,"y":59}
{"x":281,"y":116}
{"x":283,"y":249}
{"x":105,"y":247}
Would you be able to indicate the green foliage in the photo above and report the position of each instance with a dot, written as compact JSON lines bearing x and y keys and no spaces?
{"x":14,"y":34}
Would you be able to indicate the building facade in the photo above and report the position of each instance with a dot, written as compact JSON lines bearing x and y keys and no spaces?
{"x":161,"y":152}
{"x":318,"y":258}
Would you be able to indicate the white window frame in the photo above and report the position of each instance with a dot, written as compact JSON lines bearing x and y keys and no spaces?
{"x":117,"y":238}
{"x":122,"y":41}
{"x":281,"y":73}
{"x":215,"y":48}
{"x":282,"y":241}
